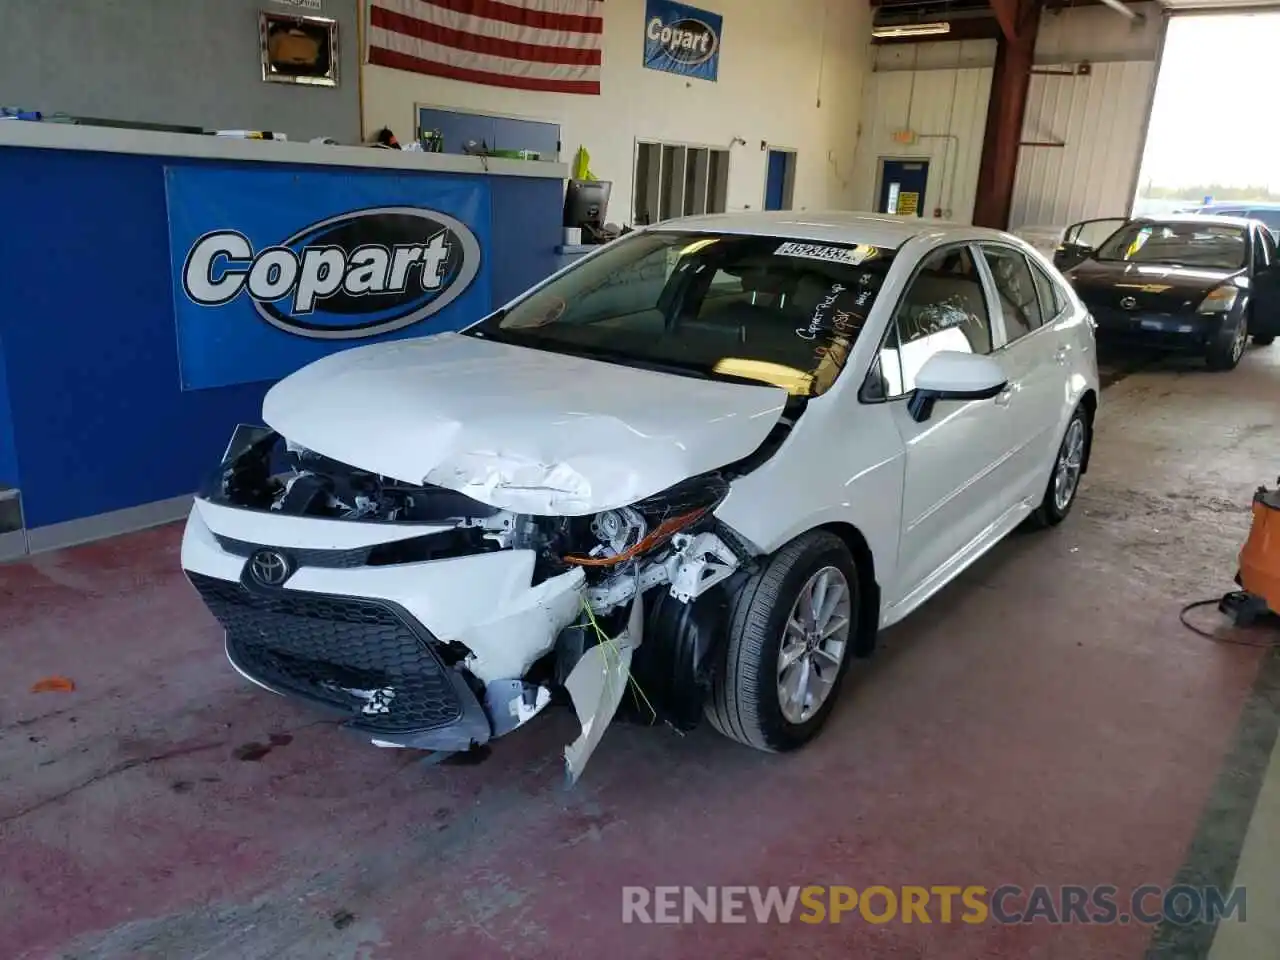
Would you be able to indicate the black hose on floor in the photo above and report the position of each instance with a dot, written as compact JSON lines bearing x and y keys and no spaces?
{"x":1234,"y":597}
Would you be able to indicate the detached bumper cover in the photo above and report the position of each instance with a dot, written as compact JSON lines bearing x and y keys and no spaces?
{"x":368,"y":660}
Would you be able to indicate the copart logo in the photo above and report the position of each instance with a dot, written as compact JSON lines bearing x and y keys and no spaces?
{"x":686,"y":41}
{"x":356,"y":275}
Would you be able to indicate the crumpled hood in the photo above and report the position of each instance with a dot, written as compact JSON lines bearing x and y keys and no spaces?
{"x":519,"y":429}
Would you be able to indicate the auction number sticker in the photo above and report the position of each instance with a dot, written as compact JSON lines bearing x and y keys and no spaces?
{"x":818,"y":251}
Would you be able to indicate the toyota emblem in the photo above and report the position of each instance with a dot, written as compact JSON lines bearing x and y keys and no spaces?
{"x":1128,"y":303}
{"x":270,"y":567}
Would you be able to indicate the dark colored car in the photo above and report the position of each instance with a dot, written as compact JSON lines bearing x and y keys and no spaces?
{"x":1267,"y":213}
{"x":1187,"y":282}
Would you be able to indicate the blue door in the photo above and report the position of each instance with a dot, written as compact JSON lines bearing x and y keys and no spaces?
{"x":902,"y":187}
{"x":775,"y":184}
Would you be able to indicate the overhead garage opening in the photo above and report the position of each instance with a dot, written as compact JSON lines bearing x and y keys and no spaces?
{"x":1210,"y":138}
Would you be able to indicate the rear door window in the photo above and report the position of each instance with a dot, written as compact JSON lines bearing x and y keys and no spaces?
{"x":1019,"y":301}
{"x":1052,"y":300}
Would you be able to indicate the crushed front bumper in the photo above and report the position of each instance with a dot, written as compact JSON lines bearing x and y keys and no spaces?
{"x":368,"y":660}
{"x":430,"y":655}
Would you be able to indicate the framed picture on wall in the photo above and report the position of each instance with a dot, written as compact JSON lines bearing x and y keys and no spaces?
{"x":298,"y":49}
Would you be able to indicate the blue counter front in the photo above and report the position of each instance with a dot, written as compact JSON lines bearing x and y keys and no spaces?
{"x":156,"y":286}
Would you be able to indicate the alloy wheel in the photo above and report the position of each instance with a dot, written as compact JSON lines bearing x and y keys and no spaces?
{"x":1070,"y":462}
{"x":1241,"y":339}
{"x":814,"y":642}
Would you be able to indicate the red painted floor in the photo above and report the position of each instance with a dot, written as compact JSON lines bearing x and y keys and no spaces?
{"x":1044,"y":721}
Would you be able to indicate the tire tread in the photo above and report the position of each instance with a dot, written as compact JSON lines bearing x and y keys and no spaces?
{"x":733,"y":708}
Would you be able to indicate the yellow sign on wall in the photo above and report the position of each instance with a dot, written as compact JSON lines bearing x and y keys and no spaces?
{"x":908,"y":204}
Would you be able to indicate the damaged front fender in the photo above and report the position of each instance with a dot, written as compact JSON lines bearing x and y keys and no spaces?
{"x":596,"y":685}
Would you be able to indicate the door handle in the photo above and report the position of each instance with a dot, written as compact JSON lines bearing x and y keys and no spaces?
{"x":1005,"y":395}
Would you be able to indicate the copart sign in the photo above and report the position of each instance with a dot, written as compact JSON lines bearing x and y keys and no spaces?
{"x":347,"y":277}
{"x":681,"y":39}
{"x":271,"y":271}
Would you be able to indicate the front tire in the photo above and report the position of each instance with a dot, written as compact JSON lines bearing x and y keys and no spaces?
{"x":1068,"y":467}
{"x":792,"y":633}
{"x":1227,"y":346}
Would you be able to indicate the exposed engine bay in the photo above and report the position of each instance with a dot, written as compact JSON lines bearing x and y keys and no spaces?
{"x":601,"y":586}
{"x":666,"y":538}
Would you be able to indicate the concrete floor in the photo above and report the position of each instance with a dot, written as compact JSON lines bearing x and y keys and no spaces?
{"x":1046,"y":720}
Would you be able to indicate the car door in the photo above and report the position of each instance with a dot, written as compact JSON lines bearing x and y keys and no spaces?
{"x":946,"y":498}
{"x":1264,"y":284}
{"x":1270,"y":218}
{"x":1081,"y":239}
{"x":1035,"y":355}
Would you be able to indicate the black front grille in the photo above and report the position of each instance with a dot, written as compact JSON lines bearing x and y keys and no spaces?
{"x":340,"y":559}
{"x":364,"y":657}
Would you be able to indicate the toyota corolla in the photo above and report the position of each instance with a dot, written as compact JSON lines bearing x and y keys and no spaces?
{"x":693,"y":474}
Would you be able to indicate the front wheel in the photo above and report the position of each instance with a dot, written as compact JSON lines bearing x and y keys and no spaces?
{"x":1227,"y":346}
{"x":792,"y":633}
{"x":1264,"y":339}
{"x":1068,"y":467}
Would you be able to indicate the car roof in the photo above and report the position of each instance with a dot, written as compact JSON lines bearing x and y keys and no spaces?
{"x":837,"y":226}
{"x":1197,"y":218}
{"x":1241,"y":205}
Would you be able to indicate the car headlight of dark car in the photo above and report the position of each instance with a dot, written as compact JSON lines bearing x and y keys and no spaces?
{"x":1219,"y":299}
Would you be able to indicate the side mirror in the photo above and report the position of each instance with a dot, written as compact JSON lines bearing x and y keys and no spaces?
{"x":952,"y":375}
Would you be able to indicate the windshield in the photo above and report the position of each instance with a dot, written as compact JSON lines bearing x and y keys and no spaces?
{"x":1213,"y":245}
{"x":719,"y":306}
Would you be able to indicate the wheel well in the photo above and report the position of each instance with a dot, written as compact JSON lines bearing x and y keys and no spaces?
{"x":869,"y":612}
{"x":1090,"y":403}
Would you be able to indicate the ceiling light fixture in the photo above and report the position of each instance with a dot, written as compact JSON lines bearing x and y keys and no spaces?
{"x":911,"y":30}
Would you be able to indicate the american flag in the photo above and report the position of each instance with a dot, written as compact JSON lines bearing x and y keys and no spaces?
{"x":551,"y":45}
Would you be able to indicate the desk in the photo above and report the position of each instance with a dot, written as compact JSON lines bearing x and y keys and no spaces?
{"x":129,"y":351}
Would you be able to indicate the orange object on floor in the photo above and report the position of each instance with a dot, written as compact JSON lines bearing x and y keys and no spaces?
{"x":53,"y":685}
{"x":1260,"y":556}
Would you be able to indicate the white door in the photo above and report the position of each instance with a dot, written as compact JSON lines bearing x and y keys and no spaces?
{"x":1036,"y":356}
{"x":947,"y":496}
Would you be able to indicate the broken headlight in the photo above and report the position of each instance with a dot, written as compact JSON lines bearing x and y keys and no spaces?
{"x":649,"y":524}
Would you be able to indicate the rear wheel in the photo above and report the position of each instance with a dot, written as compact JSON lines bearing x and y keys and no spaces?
{"x":1068,"y":467}
{"x":1227,"y":346}
{"x":791,"y":636}
{"x":1264,"y":339}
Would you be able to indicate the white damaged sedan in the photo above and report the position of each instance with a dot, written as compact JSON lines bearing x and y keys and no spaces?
{"x":695,"y":472}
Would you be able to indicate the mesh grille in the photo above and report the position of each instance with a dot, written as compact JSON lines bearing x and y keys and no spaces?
{"x":360,"y":656}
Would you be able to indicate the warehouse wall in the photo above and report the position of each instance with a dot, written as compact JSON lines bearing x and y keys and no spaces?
{"x":1099,"y":118}
{"x":778,"y":61}
{"x":191,"y":62}
{"x":945,"y":105}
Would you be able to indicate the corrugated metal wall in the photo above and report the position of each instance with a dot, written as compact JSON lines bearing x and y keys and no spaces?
{"x":1100,"y":119}
{"x":948,"y":109}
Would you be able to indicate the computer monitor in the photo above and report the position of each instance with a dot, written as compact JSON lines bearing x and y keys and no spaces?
{"x":585,"y":205}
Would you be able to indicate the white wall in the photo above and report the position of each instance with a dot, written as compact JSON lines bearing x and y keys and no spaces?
{"x":947,"y":108}
{"x":778,"y":61}
{"x":943,"y":88}
{"x":1101,"y":118}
